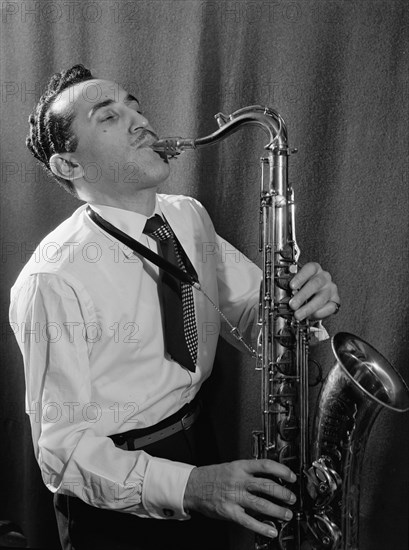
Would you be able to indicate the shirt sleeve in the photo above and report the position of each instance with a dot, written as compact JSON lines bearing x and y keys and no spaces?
{"x":239,"y":287}
{"x":73,"y":458}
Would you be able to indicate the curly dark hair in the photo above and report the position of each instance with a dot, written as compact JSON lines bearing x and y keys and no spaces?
{"x":51,"y":133}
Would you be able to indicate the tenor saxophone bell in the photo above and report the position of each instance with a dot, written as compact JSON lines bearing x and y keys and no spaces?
{"x":359,"y":386}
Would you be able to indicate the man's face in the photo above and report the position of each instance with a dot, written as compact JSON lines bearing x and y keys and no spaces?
{"x":114,"y":138}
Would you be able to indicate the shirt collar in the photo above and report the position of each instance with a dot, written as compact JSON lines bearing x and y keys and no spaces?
{"x":127,"y":221}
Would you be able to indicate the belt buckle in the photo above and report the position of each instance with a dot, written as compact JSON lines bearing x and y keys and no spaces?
{"x":189,"y":419}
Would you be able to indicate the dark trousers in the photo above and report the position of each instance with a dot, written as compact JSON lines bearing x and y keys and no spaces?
{"x":84,"y":527}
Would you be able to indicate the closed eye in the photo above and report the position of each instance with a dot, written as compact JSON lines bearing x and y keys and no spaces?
{"x":108,"y":117}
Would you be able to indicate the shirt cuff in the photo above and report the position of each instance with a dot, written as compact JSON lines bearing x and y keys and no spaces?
{"x":164,"y":488}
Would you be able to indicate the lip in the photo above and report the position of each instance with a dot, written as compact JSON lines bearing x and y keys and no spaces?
{"x":144,"y":139}
{"x":146,"y":142}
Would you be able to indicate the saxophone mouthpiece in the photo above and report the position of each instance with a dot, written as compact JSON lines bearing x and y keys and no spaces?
{"x":173,"y":146}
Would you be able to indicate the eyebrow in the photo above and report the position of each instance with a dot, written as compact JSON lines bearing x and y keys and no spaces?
{"x":129,"y":98}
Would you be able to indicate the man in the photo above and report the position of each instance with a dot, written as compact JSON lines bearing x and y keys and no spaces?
{"x":107,"y":396}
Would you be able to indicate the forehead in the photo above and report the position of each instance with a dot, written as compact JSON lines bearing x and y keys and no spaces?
{"x":83,"y":96}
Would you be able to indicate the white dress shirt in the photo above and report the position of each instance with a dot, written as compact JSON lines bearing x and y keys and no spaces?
{"x":87,"y":316}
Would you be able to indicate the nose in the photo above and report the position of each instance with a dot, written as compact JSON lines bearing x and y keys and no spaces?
{"x":138,"y":121}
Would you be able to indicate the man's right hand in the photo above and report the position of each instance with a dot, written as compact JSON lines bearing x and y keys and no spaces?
{"x":234,"y":491}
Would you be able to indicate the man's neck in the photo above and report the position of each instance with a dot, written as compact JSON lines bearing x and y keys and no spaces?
{"x":142,"y":203}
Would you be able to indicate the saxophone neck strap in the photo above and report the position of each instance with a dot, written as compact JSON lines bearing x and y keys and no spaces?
{"x":142,"y":250}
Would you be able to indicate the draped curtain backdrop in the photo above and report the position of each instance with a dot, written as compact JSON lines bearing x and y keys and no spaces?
{"x":337,"y":71}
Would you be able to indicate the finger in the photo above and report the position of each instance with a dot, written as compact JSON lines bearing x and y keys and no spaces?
{"x":319,"y":286}
{"x":259,"y":527}
{"x":271,"y":489}
{"x":318,"y":302}
{"x":328,"y":309}
{"x":264,"y":507}
{"x":306,"y":272}
{"x":269,"y":467}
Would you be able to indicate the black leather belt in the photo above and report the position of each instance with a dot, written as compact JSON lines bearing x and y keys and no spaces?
{"x":138,"y":439}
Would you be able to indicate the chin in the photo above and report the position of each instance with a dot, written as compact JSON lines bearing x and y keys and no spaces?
{"x":158,"y":179}
{"x":165,"y":171}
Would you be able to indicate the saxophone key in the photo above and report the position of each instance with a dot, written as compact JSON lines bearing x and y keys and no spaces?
{"x":282,"y":308}
{"x":285,"y":394}
{"x":283,"y":277}
{"x":285,"y":364}
{"x":288,"y":429}
{"x":285,"y":337}
{"x":288,"y":455}
{"x":288,"y":252}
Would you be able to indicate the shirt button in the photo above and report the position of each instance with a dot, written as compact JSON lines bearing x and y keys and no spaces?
{"x":168,"y":513}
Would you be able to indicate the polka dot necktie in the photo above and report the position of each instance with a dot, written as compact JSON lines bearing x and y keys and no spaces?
{"x":179,"y":311}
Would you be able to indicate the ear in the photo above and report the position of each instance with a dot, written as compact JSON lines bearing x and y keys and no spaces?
{"x":65,"y":166}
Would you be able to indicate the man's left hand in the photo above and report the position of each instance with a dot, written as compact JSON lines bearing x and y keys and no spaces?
{"x":316,"y":295}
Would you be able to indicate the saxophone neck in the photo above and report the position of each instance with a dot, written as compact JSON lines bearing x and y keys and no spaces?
{"x":267,"y":119}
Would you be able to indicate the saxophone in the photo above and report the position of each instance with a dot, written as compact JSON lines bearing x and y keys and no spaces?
{"x":328,"y":458}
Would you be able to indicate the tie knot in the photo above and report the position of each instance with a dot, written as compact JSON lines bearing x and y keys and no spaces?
{"x":158,"y":228}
